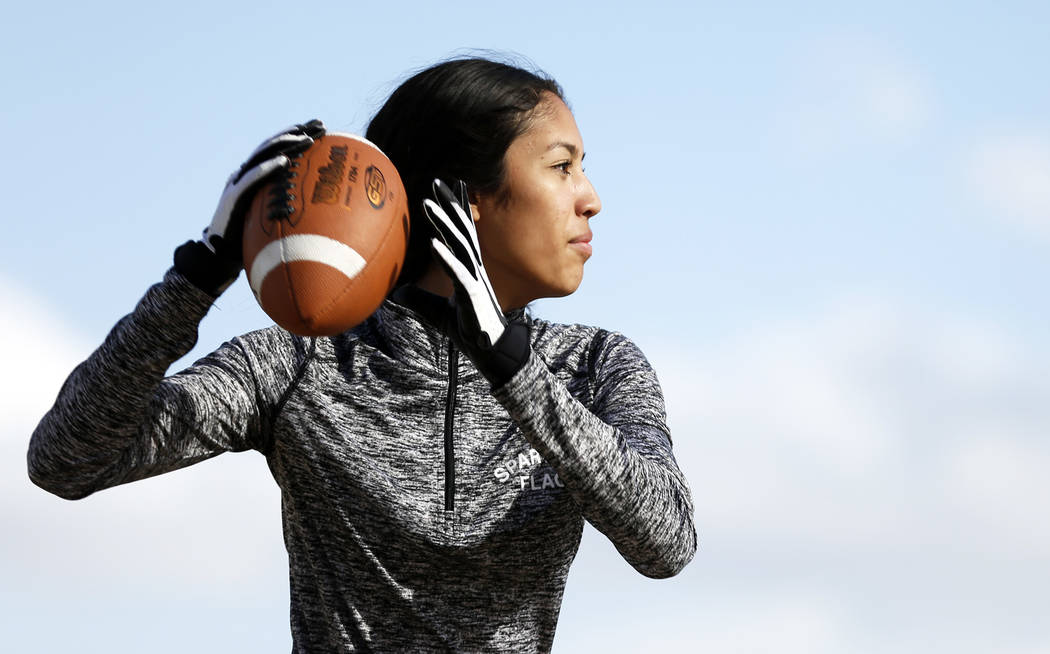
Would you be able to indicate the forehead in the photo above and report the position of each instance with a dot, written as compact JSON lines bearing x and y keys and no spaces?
{"x":550,"y":125}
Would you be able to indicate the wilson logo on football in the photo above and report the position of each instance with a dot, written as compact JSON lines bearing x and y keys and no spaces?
{"x":330,"y":177}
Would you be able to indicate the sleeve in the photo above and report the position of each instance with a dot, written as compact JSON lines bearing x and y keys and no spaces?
{"x":614,"y":458}
{"x":118,"y":418}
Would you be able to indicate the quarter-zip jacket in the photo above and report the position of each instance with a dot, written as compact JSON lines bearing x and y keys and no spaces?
{"x":422,"y":510}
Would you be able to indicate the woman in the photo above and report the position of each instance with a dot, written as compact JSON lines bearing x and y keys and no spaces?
{"x":430,"y":501}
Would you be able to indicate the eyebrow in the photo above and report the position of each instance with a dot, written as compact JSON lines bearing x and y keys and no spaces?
{"x":571,"y":147}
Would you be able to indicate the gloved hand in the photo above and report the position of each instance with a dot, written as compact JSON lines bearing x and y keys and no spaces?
{"x":214,"y":262}
{"x":497,"y":347}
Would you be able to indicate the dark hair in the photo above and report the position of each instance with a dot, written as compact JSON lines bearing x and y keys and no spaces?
{"x":454,"y":121}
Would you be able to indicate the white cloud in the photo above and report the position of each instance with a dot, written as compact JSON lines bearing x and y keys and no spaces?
{"x":867,"y":423}
{"x":38,"y":352}
{"x":872,"y":463}
{"x":204,"y":528}
{"x":1010,"y":174}
{"x":787,"y":623}
{"x":818,"y":448}
{"x":999,"y":484}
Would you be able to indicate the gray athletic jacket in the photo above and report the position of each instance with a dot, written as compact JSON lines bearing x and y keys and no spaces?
{"x":422,"y":511}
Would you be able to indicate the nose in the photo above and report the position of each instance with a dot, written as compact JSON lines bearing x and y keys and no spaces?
{"x":588,"y":204}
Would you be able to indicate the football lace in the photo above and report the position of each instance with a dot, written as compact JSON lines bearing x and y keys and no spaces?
{"x":281,"y":196}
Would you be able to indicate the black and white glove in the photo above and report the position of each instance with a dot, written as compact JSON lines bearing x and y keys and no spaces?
{"x":214,"y":262}
{"x":497,"y":347}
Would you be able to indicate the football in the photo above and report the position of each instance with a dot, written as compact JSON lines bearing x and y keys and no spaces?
{"x":325,"y":240}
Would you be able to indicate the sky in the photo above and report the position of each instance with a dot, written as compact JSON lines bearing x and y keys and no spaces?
{"x":826,"y":224}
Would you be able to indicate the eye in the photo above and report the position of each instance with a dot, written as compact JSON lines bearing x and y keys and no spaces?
{"x":564,"y":167}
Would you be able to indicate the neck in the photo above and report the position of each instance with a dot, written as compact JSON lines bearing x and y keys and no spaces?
{"x":435,"y":281}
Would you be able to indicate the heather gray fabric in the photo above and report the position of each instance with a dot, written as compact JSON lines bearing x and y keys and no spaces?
{"x":388,"y":552}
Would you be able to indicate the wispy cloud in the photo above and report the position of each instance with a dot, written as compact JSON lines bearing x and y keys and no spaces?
{"x":214,"y":526}
{"x":865,"y":455}
{"x":1010,"y":175}
{"x":819,"y":447}
{"x":828,"y":428}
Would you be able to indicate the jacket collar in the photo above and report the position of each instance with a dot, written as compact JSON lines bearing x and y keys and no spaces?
{"x":411,"y":323}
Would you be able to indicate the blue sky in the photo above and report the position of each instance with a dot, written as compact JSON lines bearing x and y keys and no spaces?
{"x":828,"y":227}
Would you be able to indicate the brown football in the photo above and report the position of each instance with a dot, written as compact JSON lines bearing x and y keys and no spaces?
{"x":325,"y":241}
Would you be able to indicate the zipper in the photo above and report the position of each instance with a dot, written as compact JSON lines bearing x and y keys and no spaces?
{"x":450,"y":418}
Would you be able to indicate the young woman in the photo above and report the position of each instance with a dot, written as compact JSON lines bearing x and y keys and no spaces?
{"x":437,"y":462}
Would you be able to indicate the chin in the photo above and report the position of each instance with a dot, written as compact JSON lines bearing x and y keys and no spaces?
{"x":546,"y":288}
{"x":568,"y":287}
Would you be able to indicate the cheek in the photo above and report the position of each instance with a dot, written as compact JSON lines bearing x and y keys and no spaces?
{"x":530,"y":231}
{"x":527,"y":227}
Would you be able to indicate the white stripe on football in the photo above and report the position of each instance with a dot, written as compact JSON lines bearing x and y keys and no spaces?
{"x":304,"y":247}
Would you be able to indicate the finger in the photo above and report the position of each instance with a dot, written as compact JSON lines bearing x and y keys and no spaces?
{"x":259,"y":172}
{"x":459,"y":274}
{"x":455,"y":239}
{"x":483,"y":306}
{"x":452,"y":237}
{"x":464,"y":201}
{"x":444,"y":194}
{"x":277,"y":143}
{"x":461,"y":211}
{"x":287,"y":144}
{"x":312,"y":128}
{"x":437,"y":219}
{"x":234,"y":192}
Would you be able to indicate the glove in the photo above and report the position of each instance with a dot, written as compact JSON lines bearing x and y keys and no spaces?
{"x":497,"y":347}
{"x":214,"y":262}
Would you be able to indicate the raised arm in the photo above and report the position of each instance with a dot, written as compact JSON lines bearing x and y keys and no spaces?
{"x":117,"y":418}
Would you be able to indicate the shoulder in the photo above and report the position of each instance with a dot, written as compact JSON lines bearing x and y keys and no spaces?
{"x":273,"y":352}
{"x":271,"y":340}
{"x":596,"y":349}
{"x":281,"y":347}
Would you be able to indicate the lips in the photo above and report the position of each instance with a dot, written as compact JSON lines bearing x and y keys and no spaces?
{"x":583,"y":238}
{"x":583,"y":243}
